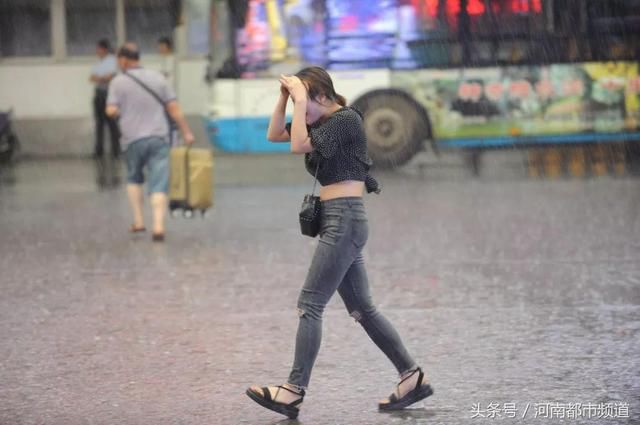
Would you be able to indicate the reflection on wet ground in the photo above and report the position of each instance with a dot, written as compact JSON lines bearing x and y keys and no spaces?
{"x":512,"y":293}
{"x":109,"y":173}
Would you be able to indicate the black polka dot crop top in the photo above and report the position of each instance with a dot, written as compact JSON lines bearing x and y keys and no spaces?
{"x":340,"y":144}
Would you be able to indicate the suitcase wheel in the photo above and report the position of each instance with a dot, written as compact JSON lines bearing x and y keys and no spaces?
{"x":176,"y":213}
{"x":187,"y":213}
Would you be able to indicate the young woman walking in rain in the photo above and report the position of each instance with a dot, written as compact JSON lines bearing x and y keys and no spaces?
{"x":332,"y":137}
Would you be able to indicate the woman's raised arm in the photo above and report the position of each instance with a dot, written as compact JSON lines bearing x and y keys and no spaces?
{"x":277,"y":131}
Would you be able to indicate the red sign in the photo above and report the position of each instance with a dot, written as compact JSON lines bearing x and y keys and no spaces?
{"x":494,"y":91}
{"x":544,"y":88}
{"x":520,"y":89}
{"x":470,"y":91}
{"x":634,"y":85}
{"x":573,"y":88}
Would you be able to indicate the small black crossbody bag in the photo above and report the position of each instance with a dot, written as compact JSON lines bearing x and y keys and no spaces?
{"x":310,"y":211}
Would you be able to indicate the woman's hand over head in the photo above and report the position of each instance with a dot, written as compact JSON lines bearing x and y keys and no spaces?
{"x":284,"y":91}
{"x":296,"y":89}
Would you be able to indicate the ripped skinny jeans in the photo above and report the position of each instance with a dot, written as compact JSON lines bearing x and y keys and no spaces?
{"x":338,"y":265}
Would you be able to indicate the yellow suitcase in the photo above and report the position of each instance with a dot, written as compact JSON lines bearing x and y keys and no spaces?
{"x":191,"y":180}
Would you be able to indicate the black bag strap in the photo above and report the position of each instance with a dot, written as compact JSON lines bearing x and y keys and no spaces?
{"x":147,"y":88}
{"x":315,"y":178}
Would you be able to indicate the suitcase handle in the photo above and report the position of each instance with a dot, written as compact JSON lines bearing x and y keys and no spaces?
{"x":186,"y":172}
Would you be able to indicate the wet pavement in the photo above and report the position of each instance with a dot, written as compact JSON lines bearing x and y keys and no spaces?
{"x":519,"y":297}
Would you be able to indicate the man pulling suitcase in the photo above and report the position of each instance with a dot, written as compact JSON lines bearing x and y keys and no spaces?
{"x":141,"y":98}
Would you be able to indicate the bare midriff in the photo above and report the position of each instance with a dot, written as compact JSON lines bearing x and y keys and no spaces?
{"x":342,"y":189}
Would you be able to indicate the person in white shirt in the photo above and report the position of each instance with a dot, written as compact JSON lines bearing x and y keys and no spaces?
{"x":101,"y":75}
{"x":165,"y":48}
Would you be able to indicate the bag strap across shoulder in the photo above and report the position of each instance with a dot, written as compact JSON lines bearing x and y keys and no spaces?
{"x":156,"y":97}
{"x":315,"y":178}
{"x":146,"y":87}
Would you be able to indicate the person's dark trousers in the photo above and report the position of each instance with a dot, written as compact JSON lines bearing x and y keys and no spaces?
{"x":100,"y":115}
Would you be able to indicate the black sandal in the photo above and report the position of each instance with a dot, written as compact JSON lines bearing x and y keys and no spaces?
{"x":265,"y":400}
{"x":420,"y":392}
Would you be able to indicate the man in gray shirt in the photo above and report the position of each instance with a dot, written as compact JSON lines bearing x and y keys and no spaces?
{"x":142,"y":99}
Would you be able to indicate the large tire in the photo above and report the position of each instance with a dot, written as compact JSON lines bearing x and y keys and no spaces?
{"x":396,"y":126}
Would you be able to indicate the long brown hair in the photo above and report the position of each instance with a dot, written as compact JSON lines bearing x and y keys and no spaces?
{"x":318,"y":83}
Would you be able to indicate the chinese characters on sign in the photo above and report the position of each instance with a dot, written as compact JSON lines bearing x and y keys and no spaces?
{"x":551,"y":410}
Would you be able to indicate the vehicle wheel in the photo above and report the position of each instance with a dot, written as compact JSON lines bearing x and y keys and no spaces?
{"x":396,"y":126}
